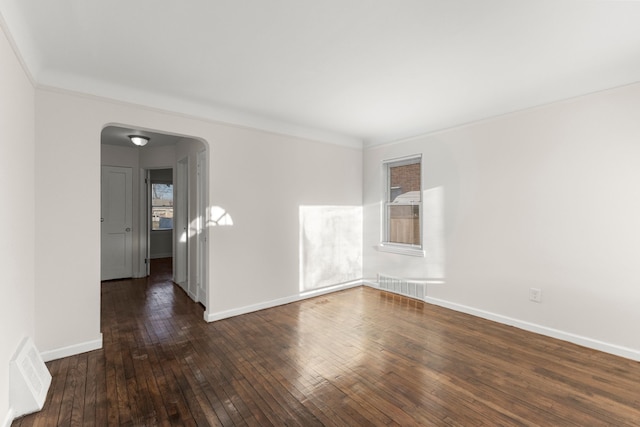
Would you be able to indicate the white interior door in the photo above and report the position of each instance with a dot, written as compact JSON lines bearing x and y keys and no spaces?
{"x":202,"y":205}
{"x":181,"y":223}
{"x":117,"y":213}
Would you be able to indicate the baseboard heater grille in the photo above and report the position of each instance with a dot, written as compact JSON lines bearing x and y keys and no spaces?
{"x":404,"y":287}
{"x":29,"y":379}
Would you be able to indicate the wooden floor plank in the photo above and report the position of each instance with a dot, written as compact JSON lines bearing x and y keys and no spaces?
{"x":357,"y":357}
{"x":79,"y":411}
{"x":56,"y":391}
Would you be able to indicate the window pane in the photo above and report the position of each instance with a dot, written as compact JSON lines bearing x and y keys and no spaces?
{"x":161,"y":206}
{"x":404,"y":179}
{"x":404,"y":224}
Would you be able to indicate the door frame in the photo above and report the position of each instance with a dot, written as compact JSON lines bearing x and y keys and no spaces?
{"x":202,"y":208}
{"x":181,"y":223}
{"x":198,"y":189}
{"x":144,"y":236}
{"x":145,"y":221}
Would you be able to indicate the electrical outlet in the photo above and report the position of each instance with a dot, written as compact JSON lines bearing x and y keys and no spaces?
{"x":535,"y":294}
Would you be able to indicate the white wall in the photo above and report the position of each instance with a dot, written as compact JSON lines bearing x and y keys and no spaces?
{"x":161,"y":244}
{"x":158,"y":157}
{"x":546,"y":198}
{"x":261,"y":179}
{"x":17,"y":214}
{"x":67,"y":239}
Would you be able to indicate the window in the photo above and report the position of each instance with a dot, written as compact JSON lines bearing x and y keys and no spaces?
{"x":403,"y":205}
{"x":161,"y":206}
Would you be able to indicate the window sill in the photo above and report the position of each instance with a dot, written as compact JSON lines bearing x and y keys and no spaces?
{"x":401,"y":249}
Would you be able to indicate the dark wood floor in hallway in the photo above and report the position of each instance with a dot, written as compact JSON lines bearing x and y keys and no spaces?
{"x":353,"y":358}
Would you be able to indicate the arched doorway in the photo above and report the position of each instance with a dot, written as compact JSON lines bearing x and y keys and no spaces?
{"x":176,"y":164}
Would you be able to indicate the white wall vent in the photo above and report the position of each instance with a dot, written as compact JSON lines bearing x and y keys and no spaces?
{"x":409,"y":288}
{"x":29,"y":379}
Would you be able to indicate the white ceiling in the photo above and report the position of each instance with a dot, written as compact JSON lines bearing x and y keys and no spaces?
{"x":345,"y":71}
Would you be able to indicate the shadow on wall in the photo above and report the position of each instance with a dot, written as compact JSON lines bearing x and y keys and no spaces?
{"x":330,"y":251}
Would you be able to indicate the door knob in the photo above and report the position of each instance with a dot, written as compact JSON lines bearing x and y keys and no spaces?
{"x":127,"y":229}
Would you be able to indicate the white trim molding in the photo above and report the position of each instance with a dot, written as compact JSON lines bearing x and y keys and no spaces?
{"x":401,"y":249}
{"x":212,"y":317}
{"x":133,"y":97}
{"x":591,"y":343}
{"x":9,"y":418}
{"x":72,"y":350}
{"x":617,"y":350}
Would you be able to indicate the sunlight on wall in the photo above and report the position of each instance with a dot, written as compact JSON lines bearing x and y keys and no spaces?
{"x":330,"y":245}
{"x":218,"y":217}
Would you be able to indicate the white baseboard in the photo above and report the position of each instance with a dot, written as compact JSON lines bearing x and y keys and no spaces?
{"x":371,"y":283}
{"x":594,"y":344}
{"x":164,"y":255}
{"x":212,"y":317}
{"x":72,"y":350}
{"x":8,"y":419}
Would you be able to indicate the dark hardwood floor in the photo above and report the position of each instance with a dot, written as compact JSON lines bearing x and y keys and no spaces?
{"x":354,"y":358}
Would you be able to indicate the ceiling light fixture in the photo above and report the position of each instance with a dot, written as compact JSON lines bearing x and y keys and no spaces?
{"x":140,"y":141}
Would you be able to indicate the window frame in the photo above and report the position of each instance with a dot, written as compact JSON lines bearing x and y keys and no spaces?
{"x":385,"y":243}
